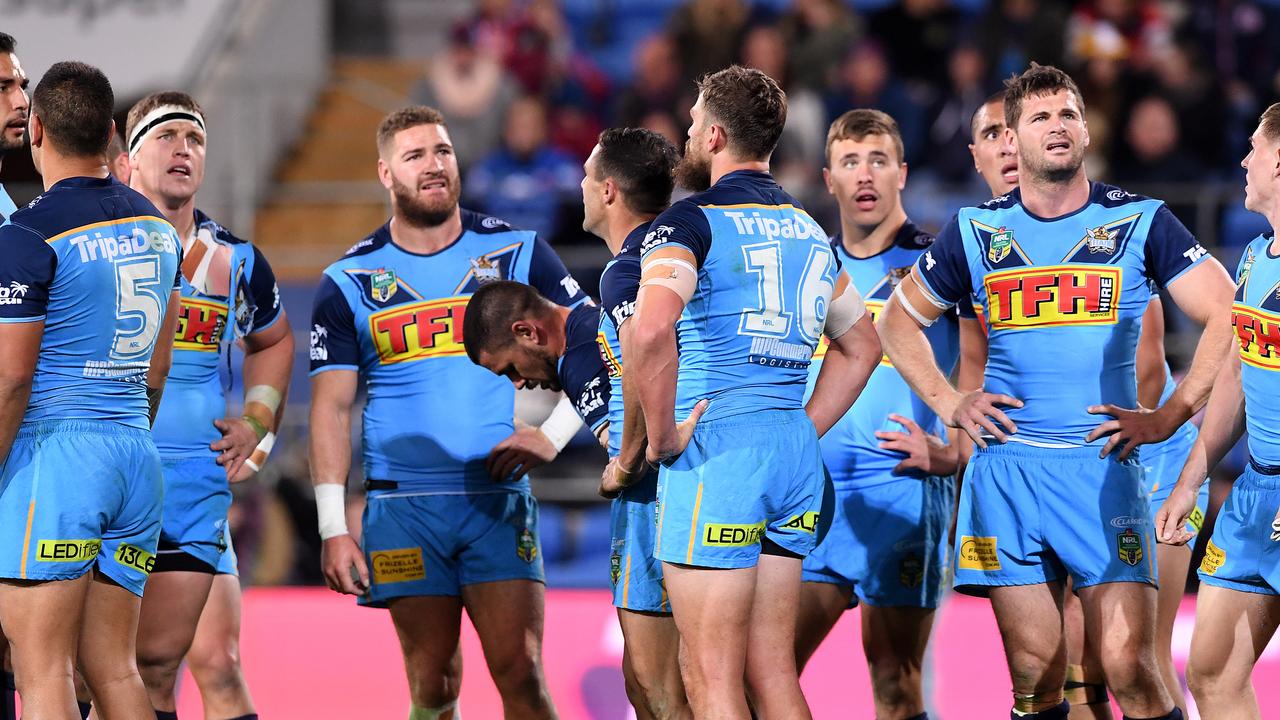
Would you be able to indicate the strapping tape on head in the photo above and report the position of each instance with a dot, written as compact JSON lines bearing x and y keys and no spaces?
{"x":158,"y":117}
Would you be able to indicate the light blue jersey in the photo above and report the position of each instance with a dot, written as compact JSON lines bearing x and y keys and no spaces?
{"x":765,"y":276}
{"x":7,"y":207}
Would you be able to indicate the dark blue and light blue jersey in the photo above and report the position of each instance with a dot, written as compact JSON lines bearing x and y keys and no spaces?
{"x":765,"y":277}
{"x":7,"y":208}
{"x":1255,"y":314}
{"x":395,"y":316}
{"x":1062,"y":299}
{"x":195,"y":395}
{"x":619,"y":285}
{"x":97,"y":263}
{"x":853,"y":438}
{"x":583,"y":376}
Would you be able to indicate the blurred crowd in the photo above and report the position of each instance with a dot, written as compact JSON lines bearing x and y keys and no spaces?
{"x":1172,"y":86}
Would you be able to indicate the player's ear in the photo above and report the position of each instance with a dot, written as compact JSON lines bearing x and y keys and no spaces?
{"x":826,"y":178}
{"x":384,"y":173}
{"x":902,"y":177}
{"x":609,"y":191}
{"x":523,"y":330}
{"x":35,"y":128}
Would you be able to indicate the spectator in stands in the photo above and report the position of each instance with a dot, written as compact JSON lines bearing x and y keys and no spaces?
{"x":1153,"y":153}
{"x":1183,"y":78}
{"x":467,"y":82}
{"x":658,"y":85}
{"x":865,"y":82}
{"x":1137,"y":28}
{"x":1015,"y":32}
{"x":802,"y":142}
{"x":817,"y":35}
{"x":527,"y":182}
{"x":708,"y":34}
{"x":918,"y":34}
{"x":950,"y":132}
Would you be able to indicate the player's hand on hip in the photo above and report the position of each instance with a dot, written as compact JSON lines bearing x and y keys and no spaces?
{"x":915,"y":443}
{"x":1171,"y":518}
{"x":684,"y":433}
{"x":976,"y":411}
{"x":522,"y":451}
{"x":343,"y":565}
{"x":1129,"y":429}
{"x":236,"y":445}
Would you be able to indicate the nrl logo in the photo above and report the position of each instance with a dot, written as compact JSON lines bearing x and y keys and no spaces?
{"x":1100,"y":239}
{"x":1001,"y":245}
{"x":485,"y":270}
{"x":382,"y":285}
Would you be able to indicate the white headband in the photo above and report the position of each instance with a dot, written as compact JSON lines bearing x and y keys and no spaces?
{"x":158,"y":117}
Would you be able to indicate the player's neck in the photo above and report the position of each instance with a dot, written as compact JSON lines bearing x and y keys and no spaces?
{"x":620,"y":226}
{"x":182,"y":216}
{"x":863,"y":242}
{"x":426,"y":240}
{"x":561,"y":340}
{"x":722,"y":164}
{"x":1050,"y":200}
{"x":54,"y":167}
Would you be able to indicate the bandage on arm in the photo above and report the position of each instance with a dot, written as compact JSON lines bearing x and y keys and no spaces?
{"x":676,"y":274}
{"x":562,"y":424}
{"x":846,"y":309}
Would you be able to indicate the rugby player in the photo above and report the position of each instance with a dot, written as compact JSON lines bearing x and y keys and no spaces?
{"x":229,"y":295}
{"x":1237,"y":610}
{"x":746,"y":283}
{"x":89,"y":278}
{"x":14,"y":106}
{"x":13,"y":114}
{"x":450,"y":522}
{"x":889,"y":461}
{"x":1063,"y":269}
{"x":118,"y":159}
{"x":995,"y":158}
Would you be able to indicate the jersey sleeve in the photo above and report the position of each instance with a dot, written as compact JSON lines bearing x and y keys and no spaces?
{"x":618,"y":290}
{"x":265,"y":291}
{"x":1171,"y":249}
{"x":548,"y":275}
{"x":27,"y":266}
{"x":334,"y":345}
{"x":682,"y":224}
{"x":586,"y":382}
{"x":944,"y":269}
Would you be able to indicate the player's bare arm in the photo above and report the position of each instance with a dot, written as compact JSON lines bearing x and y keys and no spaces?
{"x":630,"y":464}
{"x":332,"y":394}
{"x":162,"y":356}
{"x":19,"y":350}
{"x":654,"y":362}
{"x":1222,"y":428}
{"x":902,"y":325}
{"x":1204,"y":293}
{"x":268,"y":362}
{"x":1150,"y":355}
{"x":853,"y":353}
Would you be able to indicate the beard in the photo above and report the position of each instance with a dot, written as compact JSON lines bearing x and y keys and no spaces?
{"x":423,"y":213}
{"x":7,"y":146}
{"x":693,"y":173}
{"x":1035,"y":166}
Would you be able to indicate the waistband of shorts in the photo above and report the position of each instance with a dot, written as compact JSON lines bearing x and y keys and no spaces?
{"x":1033,"y":452}
{"x":375,"y":488}
{"x":756,"y":418}
{"x":44,"y":428}
{"x":1262,"y":468}
{"x":1262,"y":481}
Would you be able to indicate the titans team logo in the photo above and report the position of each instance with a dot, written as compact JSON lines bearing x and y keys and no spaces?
{"x":1001,"y":245}
{"x":1101,"y":239}
{"x":497,"y":265}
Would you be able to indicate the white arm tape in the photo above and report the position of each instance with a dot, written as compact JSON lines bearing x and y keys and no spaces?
{"x":682,"y":278}
{"x":331,"y":509}
{"x":844,"y":312}
{"x":260,"y":453}
{"x":562,"y":424}
{"x":911,"y":309}
{"x":265,"y":395}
